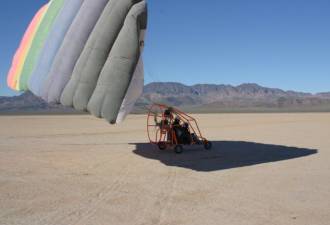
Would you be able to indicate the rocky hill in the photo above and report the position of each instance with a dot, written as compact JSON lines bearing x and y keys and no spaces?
{"x":29,"y":103}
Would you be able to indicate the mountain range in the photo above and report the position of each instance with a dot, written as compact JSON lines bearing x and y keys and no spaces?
{"x":197,"y":98}
{"x":227,"y":98}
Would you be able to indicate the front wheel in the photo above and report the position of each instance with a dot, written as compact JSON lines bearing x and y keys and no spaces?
{"x":178,"y":149}
{"x":207,"y":145}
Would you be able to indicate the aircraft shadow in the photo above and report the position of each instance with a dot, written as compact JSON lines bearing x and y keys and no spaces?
{"x":224,"y":155}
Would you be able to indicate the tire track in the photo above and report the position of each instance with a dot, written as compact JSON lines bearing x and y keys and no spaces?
{"x":86,"y":210}
{"x":103,"y":196}
{"x":165,"y":201}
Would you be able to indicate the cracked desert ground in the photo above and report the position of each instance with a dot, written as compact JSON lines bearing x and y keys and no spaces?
{"x":269,"y":169}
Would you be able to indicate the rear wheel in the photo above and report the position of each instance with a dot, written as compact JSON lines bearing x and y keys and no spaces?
{"x":162,"y":145}
{"x":178,"y":149}
{"x":207,"y":145}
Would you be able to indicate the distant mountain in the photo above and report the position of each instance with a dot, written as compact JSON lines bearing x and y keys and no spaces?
{"x":222,"y":98}
{"x":196,"y":98}
{"x":324,"y":95}
{"x":29,"y":103}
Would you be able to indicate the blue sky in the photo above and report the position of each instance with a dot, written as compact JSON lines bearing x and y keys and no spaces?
{"x":282,"y":43}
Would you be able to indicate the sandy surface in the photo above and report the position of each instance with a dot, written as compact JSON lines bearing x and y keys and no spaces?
{"x":264,"y":169}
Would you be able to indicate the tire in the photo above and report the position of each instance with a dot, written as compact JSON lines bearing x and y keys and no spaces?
{"x":162,"y":145}
{"x":207,"y":145}
{"x":178,"y":149}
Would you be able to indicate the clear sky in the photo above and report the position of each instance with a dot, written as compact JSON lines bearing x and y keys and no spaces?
{"x":275,"y":43}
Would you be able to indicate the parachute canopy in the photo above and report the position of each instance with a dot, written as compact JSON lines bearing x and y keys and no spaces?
{"x":85,"y":54}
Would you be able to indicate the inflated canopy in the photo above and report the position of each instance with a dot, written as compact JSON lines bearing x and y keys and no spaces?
{"x":85,"y":54}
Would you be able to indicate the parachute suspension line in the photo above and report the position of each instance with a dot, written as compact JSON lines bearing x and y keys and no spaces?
{"x":153,"y":78}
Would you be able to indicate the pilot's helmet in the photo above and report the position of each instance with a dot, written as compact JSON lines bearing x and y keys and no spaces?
{"x":167,"y":113}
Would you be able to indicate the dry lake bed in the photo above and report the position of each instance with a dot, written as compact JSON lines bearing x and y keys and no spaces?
{"x":264,"y":169}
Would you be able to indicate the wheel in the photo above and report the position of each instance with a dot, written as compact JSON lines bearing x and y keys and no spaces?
{"x":162,"y":145}
{"x":178,"y":149}
{"x":207,"y":145}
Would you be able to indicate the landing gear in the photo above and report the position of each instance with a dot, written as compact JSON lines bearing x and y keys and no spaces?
{"x":170,"y":128}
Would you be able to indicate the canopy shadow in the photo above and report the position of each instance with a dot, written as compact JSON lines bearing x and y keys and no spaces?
{"x":224,"y":155}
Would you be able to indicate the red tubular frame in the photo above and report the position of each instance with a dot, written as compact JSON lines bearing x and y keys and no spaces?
{"x":162,"y":130}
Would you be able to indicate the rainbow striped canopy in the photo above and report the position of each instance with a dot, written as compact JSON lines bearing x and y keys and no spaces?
{"x":20,"y":56}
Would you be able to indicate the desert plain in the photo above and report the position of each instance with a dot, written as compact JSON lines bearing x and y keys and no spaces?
{"x":269,"y":169}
